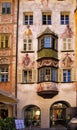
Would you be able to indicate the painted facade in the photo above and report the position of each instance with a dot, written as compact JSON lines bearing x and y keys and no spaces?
{"x":45,"y":65}
{"x":8,"y":25}
{"x":37,"y":19}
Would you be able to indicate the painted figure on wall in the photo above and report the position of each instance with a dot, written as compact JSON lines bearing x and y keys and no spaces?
{"x":45,"y":2}
{"x":67,"y":61}
{"x":26,"y":60}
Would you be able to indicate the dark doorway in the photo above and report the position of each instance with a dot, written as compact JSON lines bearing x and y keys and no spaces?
{"x":58,"y":113}
{"x":32,"y":116}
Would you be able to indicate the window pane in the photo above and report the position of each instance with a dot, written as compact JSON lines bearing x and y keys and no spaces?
{"x":31,"y":20}
{"x":66,"y":75}
{"x":29,"y":47}
{"x":44,"y":19}
{"x":26,"y":19}
{"x":3,"y":74}
{"x":25,"y":47}
{"x":49,"y":19}
{"x":47,"y":42}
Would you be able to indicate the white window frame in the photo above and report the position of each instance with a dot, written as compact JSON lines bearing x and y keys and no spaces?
{"x":64,"y":21}
{"x":27,"y":45}
{"x":28,"y":21}
{"x":67,"y":43}
{"x":47,"y":20}
{"x":28,"y":78}
{"x":4,"y":71}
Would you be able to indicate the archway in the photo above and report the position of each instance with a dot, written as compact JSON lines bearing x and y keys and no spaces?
{"x":32,"y":116}
{"x":58,"y":113}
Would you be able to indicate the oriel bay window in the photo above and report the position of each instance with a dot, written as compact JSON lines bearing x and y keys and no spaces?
{"x":4,"y":71}
{"x":47,"y":74}
{"x":47,"y":41}
{"x":4,"y":41}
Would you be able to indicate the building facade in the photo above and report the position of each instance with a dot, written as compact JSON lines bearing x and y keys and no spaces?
{"x":46,"y":86}
{"x":38,"y":60}
{"x":8,"y":27}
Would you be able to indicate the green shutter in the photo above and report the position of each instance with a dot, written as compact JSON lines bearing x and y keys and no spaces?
{"x":19,"y":76}
{"x":74,"y":74}
{"x":60,"y":75}
{"x":34,"y":75}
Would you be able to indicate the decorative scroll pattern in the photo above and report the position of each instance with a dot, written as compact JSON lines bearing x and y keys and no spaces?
{"x":47,"y":62}
{"x":4,"y":61}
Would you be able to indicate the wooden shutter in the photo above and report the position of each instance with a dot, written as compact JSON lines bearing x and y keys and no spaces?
{"x":60,"y":75}
{"x":19,"y":76}
{"x":73,"y":74}
{"x":34,"y":75}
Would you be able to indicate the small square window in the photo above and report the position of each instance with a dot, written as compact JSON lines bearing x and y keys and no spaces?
{"x":4,"y":74}
{"x":27,"y":46}
{"x":6,"y":8}
{"x":46,"y":18}
{"x":28,"y":18}
{"x":64,"y":18}
{"x":4,"y":40}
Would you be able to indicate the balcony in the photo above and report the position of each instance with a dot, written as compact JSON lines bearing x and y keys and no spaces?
{"x":47,"y":90}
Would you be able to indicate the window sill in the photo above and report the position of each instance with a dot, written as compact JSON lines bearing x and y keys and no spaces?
{"x":47,"y":81}
{"x":67,"y":51}
{"x":6,"y":14}
{"x":26,"y":83}
{"x":4,"y":82}
{"x":5,"y":48}
{"x":67,"y":82}
{"x":27,"y":51}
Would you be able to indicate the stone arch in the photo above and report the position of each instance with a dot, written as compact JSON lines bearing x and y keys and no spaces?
{"x":58,"y":112}
{"x":32,"y":116}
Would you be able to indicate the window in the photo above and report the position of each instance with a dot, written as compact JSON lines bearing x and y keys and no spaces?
{"x":64,"y":18}
{"x":47,"y":42}
{"x":66,"y":75}
{"x":27,"y":76}
{"x":27,"y":45}
{"x":46,"y":18}
{"x":4,"y":74}
{"x":54,"y":74}
{"x":6,"y":8}
{"x":4,"y":41}
{"x":67,"y":44}
{"x":47,"y":74}
{"x":28,"y":18}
